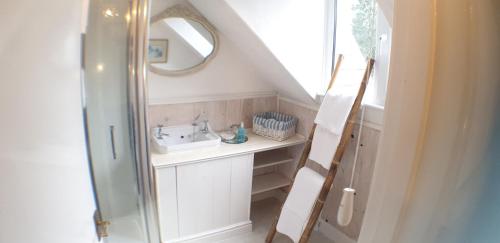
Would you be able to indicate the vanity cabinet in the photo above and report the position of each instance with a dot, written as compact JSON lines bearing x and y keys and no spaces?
{"x":204,"y":195}
{"x":198,"y":198}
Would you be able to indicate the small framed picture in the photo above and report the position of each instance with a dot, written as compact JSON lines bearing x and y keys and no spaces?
{"x":158,"y":50}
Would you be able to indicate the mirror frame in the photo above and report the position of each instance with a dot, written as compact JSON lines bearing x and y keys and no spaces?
{"x":181,"y":11}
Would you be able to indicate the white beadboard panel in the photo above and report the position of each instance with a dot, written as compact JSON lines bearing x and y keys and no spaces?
{"x":167,"y":202}
{"x":203,"y":196}
{"x":189,"y":184}
{"x":202,"y":199}
{"x":241,"y":187}
{"x":221,"y":195}
{"x":211,"y":196}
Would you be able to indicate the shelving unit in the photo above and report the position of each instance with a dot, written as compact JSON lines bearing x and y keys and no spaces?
{"x":267,"y":177}
{"x":271,"y":158}
{"x":268,"y":182}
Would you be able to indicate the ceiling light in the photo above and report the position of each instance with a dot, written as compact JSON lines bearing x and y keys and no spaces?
{"x":110,"y":13}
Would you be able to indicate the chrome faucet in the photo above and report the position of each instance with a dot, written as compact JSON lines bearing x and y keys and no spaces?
{"x":195,"y":123}
{"x":205,"y":126}
{"x":159,"y":132}
{"x":195,"y":120}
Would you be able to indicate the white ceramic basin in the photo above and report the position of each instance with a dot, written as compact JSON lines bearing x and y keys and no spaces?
{"x":185,"y":137}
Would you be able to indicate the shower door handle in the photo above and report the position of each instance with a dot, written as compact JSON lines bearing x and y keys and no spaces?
{"x":112,"y":135}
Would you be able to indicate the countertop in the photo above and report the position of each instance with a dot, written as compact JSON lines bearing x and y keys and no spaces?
{"x":254,"y":144}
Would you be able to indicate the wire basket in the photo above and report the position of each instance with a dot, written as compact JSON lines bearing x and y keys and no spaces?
{"x":274,"y":125}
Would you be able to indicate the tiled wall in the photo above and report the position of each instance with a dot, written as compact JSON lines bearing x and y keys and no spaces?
{"x":362,"y":176}
{"x":221,"y":114}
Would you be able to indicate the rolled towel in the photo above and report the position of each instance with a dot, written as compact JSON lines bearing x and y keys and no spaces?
{"x":299,"y":203}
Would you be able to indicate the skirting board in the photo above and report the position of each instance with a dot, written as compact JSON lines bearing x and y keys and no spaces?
{"x":333,"y":233}
{"x":216,"y":235}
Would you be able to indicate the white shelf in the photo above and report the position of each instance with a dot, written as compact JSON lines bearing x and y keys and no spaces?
{"x":271,"y":158}
{"x":268,"y":182}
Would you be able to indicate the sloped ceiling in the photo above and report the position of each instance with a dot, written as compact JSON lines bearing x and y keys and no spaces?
{"x":269,"y":68}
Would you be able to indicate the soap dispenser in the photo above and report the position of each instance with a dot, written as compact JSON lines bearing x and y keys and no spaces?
{"x":241,"y":134}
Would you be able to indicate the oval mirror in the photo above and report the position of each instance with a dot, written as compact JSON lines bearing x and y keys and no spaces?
{"x":180,"y":42}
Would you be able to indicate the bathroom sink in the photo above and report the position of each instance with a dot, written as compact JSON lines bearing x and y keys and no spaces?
{"x":184,"y":137}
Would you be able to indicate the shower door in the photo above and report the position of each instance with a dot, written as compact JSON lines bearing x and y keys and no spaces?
{"x":115,"y":108}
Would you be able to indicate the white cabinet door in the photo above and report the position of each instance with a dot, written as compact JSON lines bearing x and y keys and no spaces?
{"x":166,"y":186}
{"x":214,"y":194}
{"x":204,"y":190}
{"x":241,"y":188}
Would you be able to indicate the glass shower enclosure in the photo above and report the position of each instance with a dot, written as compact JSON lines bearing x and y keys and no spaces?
{"x":115,"y":105}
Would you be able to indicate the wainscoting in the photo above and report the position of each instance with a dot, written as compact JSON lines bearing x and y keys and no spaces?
{"x":221,"y":114}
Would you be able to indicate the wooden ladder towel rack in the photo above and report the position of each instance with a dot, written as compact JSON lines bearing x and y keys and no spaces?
{"x":346,"y":135}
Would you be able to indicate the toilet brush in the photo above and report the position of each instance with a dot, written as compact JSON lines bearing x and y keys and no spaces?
{"x":344,"y":215}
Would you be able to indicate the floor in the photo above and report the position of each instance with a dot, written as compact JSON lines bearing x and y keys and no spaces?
{"x":127,"y":229}
{"x":262,"y":214}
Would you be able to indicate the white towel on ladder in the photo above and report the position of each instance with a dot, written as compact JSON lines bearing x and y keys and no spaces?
{"x":333,"y":114}
{"x":338,"y":101}
{"x":324,"y":146}
{"x":299,"y":203}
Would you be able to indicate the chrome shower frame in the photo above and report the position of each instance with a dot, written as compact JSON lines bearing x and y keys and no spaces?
{"x":138,"y":110}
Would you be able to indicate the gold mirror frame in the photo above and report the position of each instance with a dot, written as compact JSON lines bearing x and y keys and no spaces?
{"x":181,"y":11}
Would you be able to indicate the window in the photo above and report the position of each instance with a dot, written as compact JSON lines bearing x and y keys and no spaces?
{"x":358,"y":30}
{"x":363,"y":26}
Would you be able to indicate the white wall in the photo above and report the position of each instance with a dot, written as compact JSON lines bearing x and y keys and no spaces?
{"x":45,"y":190}
{"x":404,"y":114}
{"x":228,"y":74}
{"x":249,"y":45}
{"x":294,"y":31}
{"x":437,"y":172}
{"x":455,"y":196}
